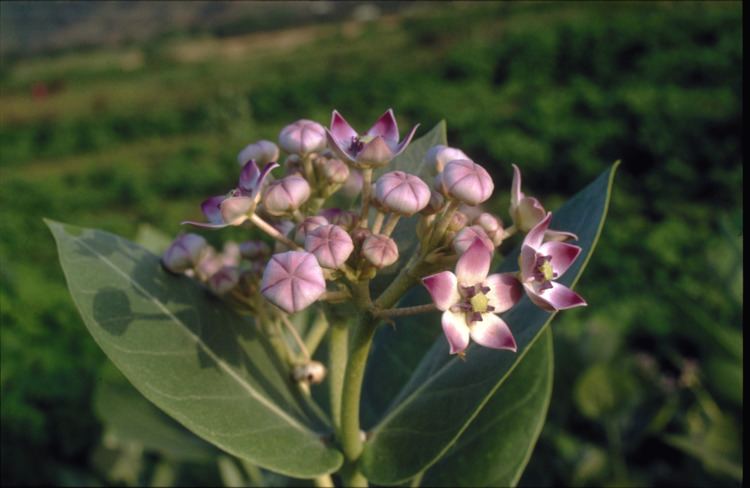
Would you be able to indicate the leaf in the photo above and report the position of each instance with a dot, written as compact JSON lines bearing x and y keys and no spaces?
{"x":496,"y":447}
{"x":191,"y":355}
{"x":414,"y":434}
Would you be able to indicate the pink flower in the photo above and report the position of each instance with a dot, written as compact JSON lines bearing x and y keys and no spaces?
{"x":237,"y":206}
{"x":293,"y":280}
{"x":302,"y":137}
{"x":470,"y":301}
{"x":402,"y":193}
{"x":540,"y":263}
{"x":525,"y":211}
{"x":466,"y":181}
{"x":376,"y":147}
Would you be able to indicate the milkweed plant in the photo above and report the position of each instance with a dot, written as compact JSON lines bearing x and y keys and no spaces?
{"x":374,"y":324}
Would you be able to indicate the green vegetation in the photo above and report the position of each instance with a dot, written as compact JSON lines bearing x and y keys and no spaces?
{"x":648,"y":378}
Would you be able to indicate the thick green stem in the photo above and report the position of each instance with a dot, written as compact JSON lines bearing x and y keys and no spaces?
{"x":338,"y":348}
{"x":366,"y":193}
{"x":316,"y":333}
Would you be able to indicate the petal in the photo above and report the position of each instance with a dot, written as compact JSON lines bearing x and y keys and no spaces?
{"x":385,"y":127}
{"x":341,"y":148}
{"x":562,"y":255}
{"x":515,"y":189}
{"x":405,"y":142}
{"x":377,"y":151}
{"x":443,"y":288}
{"x":559,"y":235}
{"x":535,"y":237}
{"x":529,"y":213}
{"x":341,"y":131}
{"x":455,"y":330}
{"x":526,"y":262}
{"x":203,"y":224}
{"x":474,"y":264}
{"x":234,"y":210}
{"x":211,"y":209}
{"x":493,"y":332}
{"x":559,"y":297}
{"x":505,"y":291}
{"x":262,"y":177}
{"x":249,"y":176}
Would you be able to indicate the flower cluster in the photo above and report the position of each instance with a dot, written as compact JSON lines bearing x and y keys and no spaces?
{"x":316,"y":248}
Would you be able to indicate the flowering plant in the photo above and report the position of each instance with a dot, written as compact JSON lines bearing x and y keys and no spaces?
{"x":275,"y":349}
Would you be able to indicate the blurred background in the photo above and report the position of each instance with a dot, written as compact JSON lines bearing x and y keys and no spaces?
{"x":125,"y":115}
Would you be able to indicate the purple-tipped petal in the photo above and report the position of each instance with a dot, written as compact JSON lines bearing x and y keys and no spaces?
{"x":456,"y":331}
{"x":473,"y":265}
{"x":535,"y":237}
{"x":443,"y":288}
{"x":211,"y":209}
{"x":330,"y":244}
{"x":293,"y":280}
{"x":385,"y":127}
{"x":235,"y":210}
{"x":377,"y":152}
{"x":340,"y":147}
{"x":505,"y":291}
{"x":562,"y":255}
{"x":249,"y":177}
{"x":557,"y":297}
{"x":493,"y":332}
{"x":340,"y":128}
{"x":405,"y":141}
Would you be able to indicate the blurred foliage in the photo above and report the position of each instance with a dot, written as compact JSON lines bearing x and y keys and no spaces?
{"x":648,"y":377}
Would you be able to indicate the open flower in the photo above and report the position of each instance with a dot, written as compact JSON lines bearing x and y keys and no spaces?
{"x":376,"y":147}
{"x":235,"y":207}
{"x":293,"y":280}
{"x":470,"y":301}
{"x":541,"y":262}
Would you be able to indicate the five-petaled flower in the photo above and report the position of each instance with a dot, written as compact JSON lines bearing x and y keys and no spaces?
{"x":470,"y":300}
{"x":376,"y":147}
{"x":541,"y":262}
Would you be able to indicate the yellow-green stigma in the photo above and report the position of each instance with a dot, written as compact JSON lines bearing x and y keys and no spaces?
{"x":366,"y":138}
{"x":479,"y":302}
{"x":546,"y":270}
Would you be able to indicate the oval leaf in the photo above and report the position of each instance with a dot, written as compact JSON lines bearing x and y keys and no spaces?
{"x":414,"y":434}
{"x":191,"y":355}
{"x":496,"y":447}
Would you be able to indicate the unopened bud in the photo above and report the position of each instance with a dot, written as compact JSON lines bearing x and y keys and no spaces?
{"x":184,"y":253}
{"x":492,"y":226}
{"x":466,"y":237}
{"x":262,"y":152}
{"x":438,"y":156}
{"x":307,"y":225}
{"x":224,"y":280}
{"x":458,"y":221}
{"x":303,"y":137}
{"x":312,"y":373}
{"x":286,"y":195}
{"x":380,"y":250}
{"x":293,"y":280}
{"x":330,"y":244}
{"x":334,"y":171}
{"x":467,"y":181}
{"x":402,"y":193}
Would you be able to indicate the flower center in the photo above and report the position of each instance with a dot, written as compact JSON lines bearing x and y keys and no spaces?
{"x":544,"y":273}
{"x":358,"y":142}
{"x":546,"y":270}
{"x":475,"y":303}
{"x":479,"y":302}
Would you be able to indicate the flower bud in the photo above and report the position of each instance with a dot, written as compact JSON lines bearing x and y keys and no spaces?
{"x":438,"y":156}
{"x":380,"y":250}
{"x":439,"y":186}
{"x":402,"y":193}
{"x":466,"y":237}
{"x":334,"y":171}
{"x":307,"y":225}
{"x":293,"y":280}
{"x":224,"y":280}
{"x":184,"y":253}
{"x":330,"y":244}
{"x":209,"y":264}
{"x":254,"y":250}
{"x":458,"y":222}
{"x":467,"y":181}
{"x":302,"y":137}
{"x":436,"y":203}
{"x":313,"y":373}
{"x":262,"y":152}
{"x":492,"y":226}
{"x":286,"y":195}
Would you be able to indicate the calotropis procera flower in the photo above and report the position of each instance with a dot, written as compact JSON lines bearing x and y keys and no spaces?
{"x":525,"y":211}
{"x":402,"y":193}
{"x":331,"y":244}
{"x":470,"y":300}
{"x":302,"y":137}
{"x":467,"y":182}
{"x":262,"y":152}
{"x":376,"y":147}
{"x":379,"y":250}
{"x":541,"y":262}
{"x":438,"y":156}
{"x":237,"y":206}
{"x":293,"y":280}
{"x":286,"y":195}
{"x":184,"y":253}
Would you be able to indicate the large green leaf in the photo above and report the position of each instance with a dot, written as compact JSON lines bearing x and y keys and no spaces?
{"x":496,"y":447}
{"x":415,"y":433}
{"x":191,"y":355}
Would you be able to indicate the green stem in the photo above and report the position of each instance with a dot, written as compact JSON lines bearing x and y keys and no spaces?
{"x":352,"y":477}
{"x":338,"y":349}
{"x":406,"y":311}
{"x":366,"y":192}
{"x":390,"y":225}
{"x":324,"y":481}
{"x":316,"y":333}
